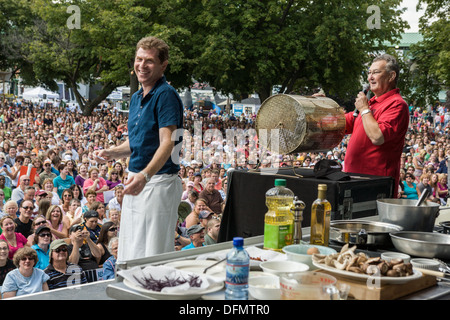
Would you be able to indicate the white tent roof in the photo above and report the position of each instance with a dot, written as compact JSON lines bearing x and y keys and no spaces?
{"x":38,"y":93}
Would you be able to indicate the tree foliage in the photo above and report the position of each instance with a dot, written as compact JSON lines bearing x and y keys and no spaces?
{"x":237,"y":46}
{"x":431,"y":57}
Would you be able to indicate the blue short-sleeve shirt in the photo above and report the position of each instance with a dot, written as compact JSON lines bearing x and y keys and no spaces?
{"x":161,"y":107}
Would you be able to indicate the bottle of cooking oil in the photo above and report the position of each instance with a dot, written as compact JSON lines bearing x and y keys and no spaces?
{"x":279,"y":220}
{"x":320,"y":218}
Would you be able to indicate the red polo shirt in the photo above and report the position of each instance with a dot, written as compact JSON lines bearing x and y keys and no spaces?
{"x":392,"y":114}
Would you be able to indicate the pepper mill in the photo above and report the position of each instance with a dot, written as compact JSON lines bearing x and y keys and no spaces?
{"x":298,"y":218}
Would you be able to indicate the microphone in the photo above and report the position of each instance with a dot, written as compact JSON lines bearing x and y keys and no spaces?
{"x":365,"y":90}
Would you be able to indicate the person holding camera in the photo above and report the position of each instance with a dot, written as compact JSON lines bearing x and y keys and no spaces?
{"x":82,"y":250}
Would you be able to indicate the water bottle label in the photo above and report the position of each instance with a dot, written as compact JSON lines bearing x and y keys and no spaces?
{"x":237,"y":274}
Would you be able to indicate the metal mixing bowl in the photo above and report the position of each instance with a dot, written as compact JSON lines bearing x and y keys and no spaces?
{"x":403,"y":212}
{"x":422,"y":244}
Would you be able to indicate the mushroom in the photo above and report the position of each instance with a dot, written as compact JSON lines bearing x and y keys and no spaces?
{"x":383,"y":267}
{"x":372,"y":270}
{"x":373,"y":260}
{"x":340,"y":266}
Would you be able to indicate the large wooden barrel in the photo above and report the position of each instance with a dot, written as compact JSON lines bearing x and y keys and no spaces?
{"x":304,"y":124}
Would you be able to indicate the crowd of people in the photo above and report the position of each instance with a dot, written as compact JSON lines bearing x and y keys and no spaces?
{"x":60,"y":210}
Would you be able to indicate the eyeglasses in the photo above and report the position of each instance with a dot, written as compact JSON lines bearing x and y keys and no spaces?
{"x":28,"y":208}
{"x":58,"y":250}
{"x":27,"y":258}
{"x":45,"y":235}
{"x":374,"y":72}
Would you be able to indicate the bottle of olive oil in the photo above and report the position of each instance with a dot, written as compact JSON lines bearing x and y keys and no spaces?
{"x":320,"y":218}
{"x":279,"y":220}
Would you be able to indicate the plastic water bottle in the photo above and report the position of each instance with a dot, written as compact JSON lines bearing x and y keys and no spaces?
{"x":237,"y":271}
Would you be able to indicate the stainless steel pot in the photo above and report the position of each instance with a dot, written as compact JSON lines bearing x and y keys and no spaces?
{"x":406,"y":214}
{"x":422,"y":244}
{"x":362,"y":232}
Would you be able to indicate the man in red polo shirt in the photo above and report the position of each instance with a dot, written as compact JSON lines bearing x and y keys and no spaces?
{"x":378,"y":132}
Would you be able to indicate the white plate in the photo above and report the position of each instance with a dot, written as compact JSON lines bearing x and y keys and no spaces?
{"x":197,"y":266}
{"x":188,"y":295}
{"x":364,"y":277}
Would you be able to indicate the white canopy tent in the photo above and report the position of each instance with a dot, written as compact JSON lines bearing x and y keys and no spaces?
{"x":38,"y":93}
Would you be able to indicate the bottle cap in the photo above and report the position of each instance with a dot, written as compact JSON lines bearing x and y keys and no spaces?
{"x":238,"y":241}
{"x":322,"y":187}
{"x":280,"y":182}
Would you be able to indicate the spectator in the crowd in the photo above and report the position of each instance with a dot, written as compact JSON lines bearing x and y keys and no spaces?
{"x":116,"y":202}
{"x":18,"y":193}
{"x":62,"y":273}
{"x":109,"y":266}
{"x":212,"y":231}
{"x":113,"y":180}
{"x":6,"y":264}
{"x":59,"y":224}
{"x":82,"y":250}
{"x":410,"y":189}
{"x":213,"y":198}
{"x":197,"y":235}
{"x":96,"y":183}
{"x":107,"y":232}
{"x":63,"y":181}
{"x":10,"y":208}
{"x":82,"y":175}
{"x":24,"y":222}
{"x":47,"y":173}
{"x":42,"y":240}
{"x":14,"y":239}
{"x":442,"y":189}
{"x":26,"y":279}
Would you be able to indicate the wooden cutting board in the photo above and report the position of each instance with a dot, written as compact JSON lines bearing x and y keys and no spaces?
{"x":360,"y":291}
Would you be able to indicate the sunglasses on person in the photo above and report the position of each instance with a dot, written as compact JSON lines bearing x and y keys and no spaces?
{"x":40,"y":222}
{"x":45,"y":235}
{"x":60,"y":249}
{"x":27,"y":258}
{"x":28,"y":208}
{"x":113,"y":229}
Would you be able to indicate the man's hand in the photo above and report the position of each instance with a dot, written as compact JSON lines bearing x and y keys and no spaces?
{"x":135,"y":184}
{"x":101,"y":156}
{"x":361,"y":102}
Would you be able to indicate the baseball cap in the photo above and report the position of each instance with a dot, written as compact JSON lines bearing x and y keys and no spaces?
{"x":204,"y":214}
{"x":41,"y":193}
{"x":40,"y":229}
{"x":194,"y":229}
{"x":57,"y":243}
{"x":330,"y":169}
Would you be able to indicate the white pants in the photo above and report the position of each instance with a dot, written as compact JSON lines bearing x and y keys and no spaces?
{"x":148,"y":220}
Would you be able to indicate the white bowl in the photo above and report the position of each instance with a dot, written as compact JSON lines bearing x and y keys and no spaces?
{"x":265,"y":287}
{"x":282,"y":267}
{"x":297,"y":253}
{"x":428,"y":264}
{"x":388,"y":256}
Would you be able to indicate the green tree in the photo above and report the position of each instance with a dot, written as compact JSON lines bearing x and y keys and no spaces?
{"x":430,"y":70}
{"x":250,"y":46}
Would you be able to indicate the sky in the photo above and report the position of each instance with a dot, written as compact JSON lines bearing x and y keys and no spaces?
{"x":411,"y":15}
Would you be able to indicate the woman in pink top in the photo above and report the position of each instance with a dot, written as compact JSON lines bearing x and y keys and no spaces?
{"x":14,"y":239}
{"x":96,"y":183}
{"x":59,"y":224}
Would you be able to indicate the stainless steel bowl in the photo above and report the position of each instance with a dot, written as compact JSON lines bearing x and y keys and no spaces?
{"x":362,"y":232}
{"x":422,"y":244}
{"x":404,"y":213}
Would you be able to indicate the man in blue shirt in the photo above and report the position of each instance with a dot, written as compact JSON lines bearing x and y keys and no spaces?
{"x":153,"y":190}
{"x":197,"y":235}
